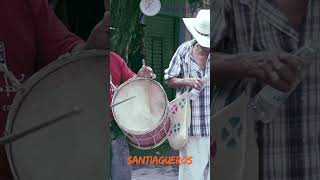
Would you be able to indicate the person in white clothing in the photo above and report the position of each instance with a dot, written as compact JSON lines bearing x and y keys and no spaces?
{"x":190,"y":67}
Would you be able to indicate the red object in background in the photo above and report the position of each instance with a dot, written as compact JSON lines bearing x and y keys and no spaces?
{"x":213,"y":150}
{"x":31,"y":36}
{"x":119,"y":73}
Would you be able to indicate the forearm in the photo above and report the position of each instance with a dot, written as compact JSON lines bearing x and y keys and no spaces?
{"x":223,"y":69}
{"x":231,"y":67}
{"x":177,"y":83}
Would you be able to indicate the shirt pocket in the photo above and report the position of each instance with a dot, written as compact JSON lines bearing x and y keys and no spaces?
{"x":194,"y":74}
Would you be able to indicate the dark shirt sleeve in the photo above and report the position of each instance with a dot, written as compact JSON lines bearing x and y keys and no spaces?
{"x":53,"y":38}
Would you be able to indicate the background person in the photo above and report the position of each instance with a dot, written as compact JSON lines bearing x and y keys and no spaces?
{"x":188,"y":66}
{"x":257,"y":42}
{"x":31,"y":36}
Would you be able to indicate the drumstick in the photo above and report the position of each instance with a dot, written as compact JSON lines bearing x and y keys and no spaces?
{"x":16,"y":136}
{"x":148,"y":88}
{"x":143,"y":62}
{"x":115,"y":104}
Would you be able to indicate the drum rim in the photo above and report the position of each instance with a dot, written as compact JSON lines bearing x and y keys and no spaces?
{"x":157,"y":144}
{"x":162,"y":119}
{"x":32,"y":81}
{"x":149,"y":147}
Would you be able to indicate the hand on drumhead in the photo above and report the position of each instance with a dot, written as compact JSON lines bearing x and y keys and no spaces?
{"x":146,"y":72}
{"x":195,"y":83}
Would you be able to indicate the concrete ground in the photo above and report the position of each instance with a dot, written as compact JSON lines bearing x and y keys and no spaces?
{"x":156,"y":173}
{"x":153,"y":172}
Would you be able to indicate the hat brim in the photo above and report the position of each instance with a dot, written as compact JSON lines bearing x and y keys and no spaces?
{"x":204,"y":41}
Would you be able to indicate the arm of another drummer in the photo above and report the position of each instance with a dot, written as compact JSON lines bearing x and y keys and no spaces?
{"x":173,"y":74}
{"x":53,"y":38}
{"x":126,"y":72}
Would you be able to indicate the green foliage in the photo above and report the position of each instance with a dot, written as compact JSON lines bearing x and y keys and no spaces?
{"x":127,"y":38}
{"x":197,"y":3}
{"x":125,"y":16}
{"x":137,"y":41}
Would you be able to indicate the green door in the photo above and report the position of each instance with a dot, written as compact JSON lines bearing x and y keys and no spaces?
{"x":161,"y":40}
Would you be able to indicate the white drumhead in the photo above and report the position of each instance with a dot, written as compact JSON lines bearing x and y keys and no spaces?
{"x":74,"y":149}
{"x":145,"y":111}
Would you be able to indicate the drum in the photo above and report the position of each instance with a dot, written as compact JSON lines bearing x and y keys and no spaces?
{"x":144,"y":116}
{"x":75,"y":148}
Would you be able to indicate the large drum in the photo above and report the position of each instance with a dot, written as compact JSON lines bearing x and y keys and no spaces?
{"x":75,"y":148}
{"x":144,"y":116}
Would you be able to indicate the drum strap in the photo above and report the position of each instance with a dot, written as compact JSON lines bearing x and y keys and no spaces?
{"x":4,"y":68}
{"x":113,"y":87}
{"x":114,"y":128}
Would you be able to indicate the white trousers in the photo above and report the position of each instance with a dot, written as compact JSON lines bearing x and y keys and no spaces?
{"x":199,"y":149}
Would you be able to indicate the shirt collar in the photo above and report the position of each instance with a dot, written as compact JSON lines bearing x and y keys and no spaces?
{"x":189,"y":49}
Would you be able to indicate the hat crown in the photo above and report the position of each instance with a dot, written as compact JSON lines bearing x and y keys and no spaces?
{"x":202,"y":22}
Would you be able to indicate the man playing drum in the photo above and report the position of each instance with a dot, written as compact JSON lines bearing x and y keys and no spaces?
{"x":31,"y":36}
{"x":190,"y":67}
{"x":119,"y":73}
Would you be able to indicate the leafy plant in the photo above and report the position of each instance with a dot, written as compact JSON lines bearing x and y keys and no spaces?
{"x":125,"y":16}
{"x":127,"y":39}
{"x":196,"y":3}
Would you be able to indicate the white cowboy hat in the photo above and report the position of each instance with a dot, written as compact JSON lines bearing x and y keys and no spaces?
{"x":199,"y":27}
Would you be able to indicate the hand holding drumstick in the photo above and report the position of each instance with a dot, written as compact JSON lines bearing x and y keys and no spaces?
{"x":146,"y":71}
